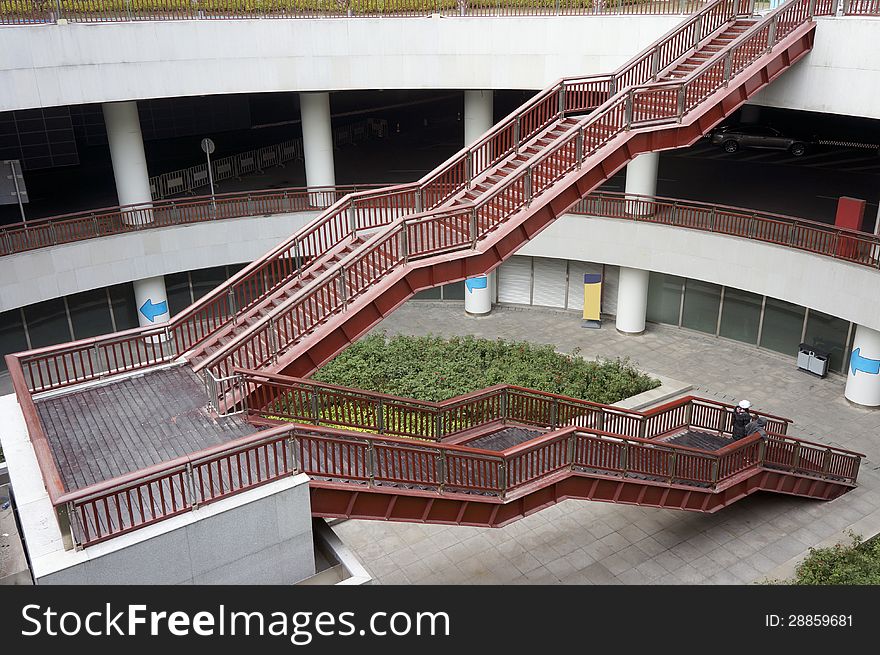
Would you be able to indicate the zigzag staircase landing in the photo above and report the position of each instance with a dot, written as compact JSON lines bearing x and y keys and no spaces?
{"x":342,"y":329}
{"x":563,"y":463}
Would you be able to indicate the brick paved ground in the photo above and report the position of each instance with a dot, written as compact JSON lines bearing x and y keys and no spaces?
{"x":581,"y":542}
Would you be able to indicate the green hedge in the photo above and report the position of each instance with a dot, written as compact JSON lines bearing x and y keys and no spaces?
{"x":269,"y":7}
{"x":435,"y":369}
{"x":856,"y":563}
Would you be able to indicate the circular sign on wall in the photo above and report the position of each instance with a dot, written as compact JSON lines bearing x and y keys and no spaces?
{"x":207,"y":146}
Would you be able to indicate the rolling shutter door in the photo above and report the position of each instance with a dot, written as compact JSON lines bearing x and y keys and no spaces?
{"x":610,"y":282}
{"x":576,"y":271}
{"x":550,"y":282}
{"x":515,"y":280}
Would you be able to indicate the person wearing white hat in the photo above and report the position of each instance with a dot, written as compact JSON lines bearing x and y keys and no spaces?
{"x":741,"y":419}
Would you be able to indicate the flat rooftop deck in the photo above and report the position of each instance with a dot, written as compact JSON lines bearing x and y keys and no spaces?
{"x":105,"y":431}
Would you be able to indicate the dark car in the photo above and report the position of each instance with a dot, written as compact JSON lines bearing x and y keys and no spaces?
{"x":734,"y":137}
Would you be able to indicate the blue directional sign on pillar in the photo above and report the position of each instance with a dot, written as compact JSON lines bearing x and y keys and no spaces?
{"x":863,"y":364}
{"x":151,"y":310}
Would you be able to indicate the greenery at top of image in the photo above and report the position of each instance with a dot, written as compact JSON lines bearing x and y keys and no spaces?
{"x":854,"y":563}
{"x":268,"y":7}
{"x":436,"y":369}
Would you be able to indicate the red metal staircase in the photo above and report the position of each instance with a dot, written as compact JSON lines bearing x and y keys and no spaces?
{"x":483,"y":204}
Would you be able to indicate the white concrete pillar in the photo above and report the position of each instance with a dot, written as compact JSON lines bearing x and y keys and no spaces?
{"x":863,"y":368}
{"x":479,"y":292}
{"x":632,"y":300}
{"x":478,"y":114}
{"x":641,"y":179}
{"x":151,"y":301}
{"x":129,"y":160}
{"x":317,"y":139}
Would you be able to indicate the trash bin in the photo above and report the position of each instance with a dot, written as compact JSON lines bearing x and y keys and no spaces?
{"x":812,"y":360}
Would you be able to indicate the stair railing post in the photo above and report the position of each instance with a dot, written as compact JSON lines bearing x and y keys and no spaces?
{"x":230,"y":298}
{"x":698,"y":31}
{"x":579,"y":147}
{"x":502,"y":478}
{"x":473,"y":227}
{"x":655,"y":63}
{"x":628,"y":110}
{"x":442,"y":473}
{"x":313,"y":407}
{"x":623,"y":459}
{"x":469,"y":168}
{"x":297,"y":258}
{"x":561,"y":97}
{"x":554,"y":414}
{"x":571,"y":450}
{"x":673,"y":460}
{"x":420,"y":200}
{"x":380,"y":417}
{"x":812,"y":8}
{"x":516,"y":135}
{"x":352,"y":222}
{"x":680,"y":102}
{"x":371,"y":463}
{"x":728,"y":63}
{"x":343,"y":290}
{"x":404,"y":242}
{"x":771,"y":33}
{"x":273,"y":339}
{"x":527,"y":184}
{"x":796,"y":459}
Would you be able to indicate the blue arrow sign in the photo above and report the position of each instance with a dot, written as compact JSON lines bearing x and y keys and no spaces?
{"x":864,"y":364}
{"x":475,"y":283}
{"x":151,"y":311}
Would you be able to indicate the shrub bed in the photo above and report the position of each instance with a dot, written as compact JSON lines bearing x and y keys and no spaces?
{"x":435,"y":369}
{"x":855,"y":563}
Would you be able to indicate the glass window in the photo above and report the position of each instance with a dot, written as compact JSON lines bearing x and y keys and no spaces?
{"x":783,"y":322}
{"x":454,"y":291}
{"x":177,"y":288}
{"x":829,"y":334}
{"x":740,"y":315}
{"x":90,"y":313}
{"x":12,"y":339}
{"x":428,"y":294}
{"x":47,"y":323}
{"x":701,"y":303}
{"x":206,"y":280}
{"x":664,"y":298}
{"x":124,"y":309}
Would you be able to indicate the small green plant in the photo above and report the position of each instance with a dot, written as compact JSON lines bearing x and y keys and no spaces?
{"x":855,"y":563}
{"x":436,"y":369}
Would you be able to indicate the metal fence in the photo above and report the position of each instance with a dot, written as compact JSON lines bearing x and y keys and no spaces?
{"x":28,"y":12}
{"x":187,"y":180}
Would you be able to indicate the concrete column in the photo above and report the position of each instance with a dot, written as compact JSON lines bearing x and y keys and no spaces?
{"x":863,"y":368}
{"x":641,"y":179}
{"x":479,"y":292}
{"x":151,"y":300}
{"x":129,"y":160}
{"x":317,"y":139}
{"x":478,"y":108}
{"x":632,"y":300}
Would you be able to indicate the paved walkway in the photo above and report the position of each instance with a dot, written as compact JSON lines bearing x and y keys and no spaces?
{"x":580,"y":542}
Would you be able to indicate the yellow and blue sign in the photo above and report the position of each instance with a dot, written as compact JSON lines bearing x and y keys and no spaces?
{"x":592,"y":299}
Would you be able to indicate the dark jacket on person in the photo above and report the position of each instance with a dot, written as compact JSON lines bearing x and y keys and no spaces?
{"x":741,"y":419}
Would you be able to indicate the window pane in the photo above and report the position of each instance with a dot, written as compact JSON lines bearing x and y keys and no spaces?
{"x":177,"y":288}
{"x":428,"y":294}
{"x":47,"y":323}
{"x":829,"y":334}
{"x":664,"y":298}
{"x":454,"y":291}
{"x":12,"y":339}
{"x":740,"y":315}
{"x":701,"y":303}
{"x":90,"y":313}
{"x":782,"y":327}
{"x":207,"y":279}
{"x":124,"y":309}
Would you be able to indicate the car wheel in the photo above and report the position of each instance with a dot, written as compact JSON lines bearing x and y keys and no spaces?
{"x":797,"y":149}
{"x":730,"y":146}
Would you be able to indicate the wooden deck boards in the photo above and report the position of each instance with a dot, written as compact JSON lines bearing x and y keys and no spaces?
{"x":102,"y":432}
